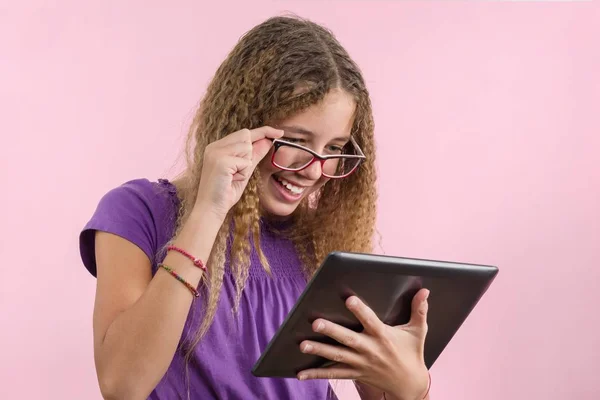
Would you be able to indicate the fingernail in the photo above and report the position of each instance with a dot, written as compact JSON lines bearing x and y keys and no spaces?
{"x":427,"y":295}
{"x":301,"y":377}
{"x":353,"y":302}
{"x":307,"y":348}
{"x":320,"y":327}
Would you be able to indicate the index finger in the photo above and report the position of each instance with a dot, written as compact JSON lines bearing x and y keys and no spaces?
{"x":265,"y":132}
{"x":365,"y":315}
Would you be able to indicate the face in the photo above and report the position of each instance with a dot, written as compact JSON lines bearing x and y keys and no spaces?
{"x":322,"y":128}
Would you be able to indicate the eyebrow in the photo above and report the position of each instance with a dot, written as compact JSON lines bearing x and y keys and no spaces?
{"x":303,"y":131}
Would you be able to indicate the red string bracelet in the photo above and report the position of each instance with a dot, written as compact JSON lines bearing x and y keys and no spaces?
{"x":197,"y":262}
{"x":180,"y":279}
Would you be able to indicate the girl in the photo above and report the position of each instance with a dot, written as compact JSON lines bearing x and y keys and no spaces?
{"x":195,"y":276}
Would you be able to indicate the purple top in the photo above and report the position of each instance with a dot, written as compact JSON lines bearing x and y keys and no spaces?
{"x":144,"y":213}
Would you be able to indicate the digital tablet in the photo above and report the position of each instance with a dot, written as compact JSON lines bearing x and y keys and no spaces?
{"x":387,"y":285}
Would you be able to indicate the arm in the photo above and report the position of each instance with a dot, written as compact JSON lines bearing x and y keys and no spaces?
{"x":138,"y":320}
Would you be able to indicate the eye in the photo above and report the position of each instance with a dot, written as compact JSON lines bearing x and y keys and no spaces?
{"x":293,"y":140}
{"x":333,"y":149}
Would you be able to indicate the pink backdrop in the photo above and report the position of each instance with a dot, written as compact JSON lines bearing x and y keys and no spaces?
{"x":487,"y":124}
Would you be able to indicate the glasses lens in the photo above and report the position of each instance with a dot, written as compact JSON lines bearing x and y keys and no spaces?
{"x":292,"y":158}
{"x":340,"y":166}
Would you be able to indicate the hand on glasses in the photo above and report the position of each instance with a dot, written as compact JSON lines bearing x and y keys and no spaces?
{"x":228,"y":164}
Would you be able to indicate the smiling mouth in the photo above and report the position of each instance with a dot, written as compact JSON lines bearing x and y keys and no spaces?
{"x":290,"y":187}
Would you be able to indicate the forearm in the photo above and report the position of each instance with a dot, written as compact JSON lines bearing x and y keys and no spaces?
{"x":139,"y":345}
{"x":367,"y":392}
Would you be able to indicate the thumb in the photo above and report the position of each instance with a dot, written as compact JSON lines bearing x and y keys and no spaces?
{"x":260,"y":149}
{"x":419,"y":308}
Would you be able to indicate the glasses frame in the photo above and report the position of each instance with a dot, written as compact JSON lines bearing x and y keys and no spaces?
{"x":277,"y":143}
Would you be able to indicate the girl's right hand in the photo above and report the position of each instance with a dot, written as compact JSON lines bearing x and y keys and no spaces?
{"x":228,"y":165}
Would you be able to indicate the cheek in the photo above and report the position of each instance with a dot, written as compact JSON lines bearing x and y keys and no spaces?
{"x":319,"y":184}
{"x":265,"y":167}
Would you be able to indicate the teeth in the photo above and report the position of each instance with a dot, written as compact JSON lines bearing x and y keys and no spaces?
{"x":290,"y":187}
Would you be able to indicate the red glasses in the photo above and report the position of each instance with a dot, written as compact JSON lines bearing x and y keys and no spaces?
{"x":294,"y":157}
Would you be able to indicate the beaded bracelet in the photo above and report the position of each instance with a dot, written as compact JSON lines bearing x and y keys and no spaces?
{"x":197,"y":262}
{"x":180,"y":279}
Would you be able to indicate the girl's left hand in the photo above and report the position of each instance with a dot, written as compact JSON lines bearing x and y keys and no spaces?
{"x":389,"y":358}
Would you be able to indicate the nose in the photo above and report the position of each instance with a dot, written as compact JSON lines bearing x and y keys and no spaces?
{"x":312,"y":172}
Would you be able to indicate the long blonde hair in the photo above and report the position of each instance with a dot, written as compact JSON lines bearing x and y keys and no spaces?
{"x":258,"y":82}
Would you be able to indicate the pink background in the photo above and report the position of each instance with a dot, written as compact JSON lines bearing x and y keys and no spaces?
{"x":487,"y":124}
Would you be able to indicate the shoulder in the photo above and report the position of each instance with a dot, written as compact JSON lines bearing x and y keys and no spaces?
{"x":141,"y":211}
{"x":139,"y":199}
{"x":153,"y":194}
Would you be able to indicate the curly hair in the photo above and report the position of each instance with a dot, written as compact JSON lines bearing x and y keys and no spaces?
{"x":277,"y":69}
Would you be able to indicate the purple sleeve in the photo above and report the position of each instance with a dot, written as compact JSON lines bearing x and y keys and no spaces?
{"x":126,"y":211}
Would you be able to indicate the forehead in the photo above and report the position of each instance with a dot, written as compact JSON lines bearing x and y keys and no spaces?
{"x":330,"y":119}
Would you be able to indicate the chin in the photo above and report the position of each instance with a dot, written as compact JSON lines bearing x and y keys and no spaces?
{"x":277,"y":210}
{"x":279,"y":199}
